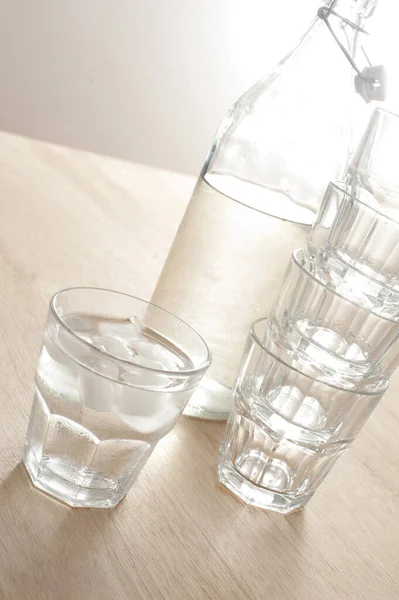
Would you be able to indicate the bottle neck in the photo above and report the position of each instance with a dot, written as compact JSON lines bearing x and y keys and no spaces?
{"x":370,"y":81}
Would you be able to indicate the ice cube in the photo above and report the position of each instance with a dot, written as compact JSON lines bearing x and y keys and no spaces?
{"x":156,"y":355}
{"x":136,"y":326}
{"x":146,"y":361}
{"x":160,"y":423}
{"x":57,"y":370}
{"x":147,"y":412}
{"x":126,"y":340}
{"x":99,"y":386}
{"x":122,"y":329}
{"x":116,"y":337}
{"x":114,"y":346}
{"x":148,"y":378}
{"x":139,"y":402}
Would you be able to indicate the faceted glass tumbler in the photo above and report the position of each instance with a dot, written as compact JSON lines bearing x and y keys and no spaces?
{"x":358,"y":249}
{"x":113,"y":377}
{"x":287,"y":429}
{"x":349,"y":341}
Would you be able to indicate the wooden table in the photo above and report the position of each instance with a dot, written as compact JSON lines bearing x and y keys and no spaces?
{"x":72,"y":218}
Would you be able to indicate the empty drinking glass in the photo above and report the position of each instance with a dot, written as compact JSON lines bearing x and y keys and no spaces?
{"x":114,"y":375}
{"x":357,"y":248}
{"x":287,"y":427}
{"x":348,"y":231}
{"x":309,"y":312}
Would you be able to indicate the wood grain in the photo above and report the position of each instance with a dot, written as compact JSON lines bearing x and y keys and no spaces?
{"x":72,"y":218}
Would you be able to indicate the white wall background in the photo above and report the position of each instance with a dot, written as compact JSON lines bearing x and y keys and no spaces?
{"x":146,"y":80}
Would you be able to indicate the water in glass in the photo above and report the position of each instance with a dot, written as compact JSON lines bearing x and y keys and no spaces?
{"x":95,"y":420}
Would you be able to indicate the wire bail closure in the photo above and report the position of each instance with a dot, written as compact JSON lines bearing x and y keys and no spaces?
{"x":371,"y":82}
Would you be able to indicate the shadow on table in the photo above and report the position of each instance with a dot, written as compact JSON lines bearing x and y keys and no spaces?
{"x":43,"y":540}
{"x":249,"y":544}
{"x":205,"y":534}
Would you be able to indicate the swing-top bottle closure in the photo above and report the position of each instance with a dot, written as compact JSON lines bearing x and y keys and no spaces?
{"x":370,"y":82}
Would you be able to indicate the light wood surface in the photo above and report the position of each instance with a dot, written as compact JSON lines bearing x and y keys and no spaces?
{"x":71,"y":218}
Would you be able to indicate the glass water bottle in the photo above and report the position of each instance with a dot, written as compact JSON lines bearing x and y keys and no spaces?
{"x":259,"y":189}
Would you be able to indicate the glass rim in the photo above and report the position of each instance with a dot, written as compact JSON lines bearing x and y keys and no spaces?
{"x":182,"y":372}
{"x":357,"y":391}
{"x":297,"y":263}
{"x":340,"y":185}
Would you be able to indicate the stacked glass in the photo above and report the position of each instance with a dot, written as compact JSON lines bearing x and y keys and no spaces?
{"x":313,"y":372}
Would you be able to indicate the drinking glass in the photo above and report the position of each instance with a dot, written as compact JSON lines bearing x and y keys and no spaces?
{"x":358,"y":249}
{"x":113,"y":377}
{"x":287,"y":428}
{"x":350,"y":340}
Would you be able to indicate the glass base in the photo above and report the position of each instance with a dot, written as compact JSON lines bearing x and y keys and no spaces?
{"x":211,"y":400}
{"x":260,"y":497}
{"x":46,"y":478}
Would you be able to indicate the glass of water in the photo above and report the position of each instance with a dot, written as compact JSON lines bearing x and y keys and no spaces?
{"x":113,"y":377}
{"x":287,"y":427}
